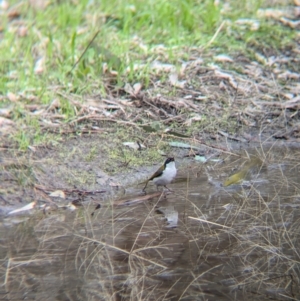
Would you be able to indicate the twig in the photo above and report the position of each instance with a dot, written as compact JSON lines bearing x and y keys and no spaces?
{"x":203,"y":220}
{"x":225,"y":151}
{"x":85,"y":50}
{"x":216,"y":34}
{"x":75,"y":190}
{"x":120,"y":250}
{"x":138,"y":199}
{"x":96,"y":117}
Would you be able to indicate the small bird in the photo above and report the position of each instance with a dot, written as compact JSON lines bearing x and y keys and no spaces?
{"x":164,"y":175}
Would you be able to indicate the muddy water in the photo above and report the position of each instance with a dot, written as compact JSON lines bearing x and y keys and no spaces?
{"x":203,"y":241}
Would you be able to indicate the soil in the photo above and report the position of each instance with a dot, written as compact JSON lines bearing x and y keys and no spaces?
{"x":241,"y":104}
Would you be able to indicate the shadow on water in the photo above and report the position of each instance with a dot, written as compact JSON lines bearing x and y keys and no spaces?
{"x":201,"y":242}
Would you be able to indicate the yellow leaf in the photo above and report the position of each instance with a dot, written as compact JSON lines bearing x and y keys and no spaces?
{"x":236,"y":178}
{"x":253,"y":166}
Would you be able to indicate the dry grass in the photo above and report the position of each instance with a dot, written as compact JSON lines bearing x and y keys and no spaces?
{"x":234,"y":243}
{"x":247,"y":249}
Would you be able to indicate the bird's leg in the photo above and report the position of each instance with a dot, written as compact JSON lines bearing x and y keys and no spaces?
{"x":145,"y":187}
{"x":167,"y":188}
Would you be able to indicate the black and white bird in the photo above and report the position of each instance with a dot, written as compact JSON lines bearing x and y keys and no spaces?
{"x":164,"y":175}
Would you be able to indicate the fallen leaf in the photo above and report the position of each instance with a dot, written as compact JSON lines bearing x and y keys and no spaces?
{"x":71,"y":206}
{"x":161,"y":67}
{"x":137,"y":88}
{"x":223,"y":58}
{"x":5,"y":112}
{"x":288,"y":95}
{"x":173,"y":133}
{"x":154,"y":127}
{"x":25,"y":208}
{"x":128,"y":89}
{"x":32,"y":148}
{"x":134,"y":145}
{"x":12,"y":97}
{"x":13,"y":14}
{"x":39,"y":66}
{"x":6,"y":126}
{"x":114,"y":184}
{"x":182,"y":145}
{"x":58,"y":194}
{"x":228,"y":206}
{"x":289,"y":75}
{"x":291,"y":23}
{"x":133,"y":90}
{"x":201,"y":158}
{"x":271,"y":13}
{"x":228,"y":77}
{"x":22,"y":31}
{"x":173,"y":79}
{"x":224,"y":134}
{"x":251,"y":23}
{"x":189,"y":121}
{"x":39,"y":4}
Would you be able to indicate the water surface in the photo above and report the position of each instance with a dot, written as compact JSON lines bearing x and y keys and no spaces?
{"x":203,"y":241}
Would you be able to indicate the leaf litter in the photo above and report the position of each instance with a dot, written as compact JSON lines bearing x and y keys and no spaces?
{"x":203,"y":92}
{"x":258,"y":94}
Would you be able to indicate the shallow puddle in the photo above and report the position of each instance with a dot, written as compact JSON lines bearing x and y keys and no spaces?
{"x":203,"y":241}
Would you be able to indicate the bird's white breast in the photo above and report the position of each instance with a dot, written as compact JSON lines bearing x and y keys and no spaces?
{"x":167,"y":176}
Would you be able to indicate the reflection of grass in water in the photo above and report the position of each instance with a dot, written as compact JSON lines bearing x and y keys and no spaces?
{"x":127,"y":253}
{"x":266,"y":233}
{"x":260,"y":250}
{"x":257,"y":255}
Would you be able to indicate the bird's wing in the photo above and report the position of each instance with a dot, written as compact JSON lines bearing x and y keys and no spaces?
{"x":157,"y":174}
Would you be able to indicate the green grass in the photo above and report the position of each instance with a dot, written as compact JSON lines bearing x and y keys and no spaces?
{"x":129,"y":34}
